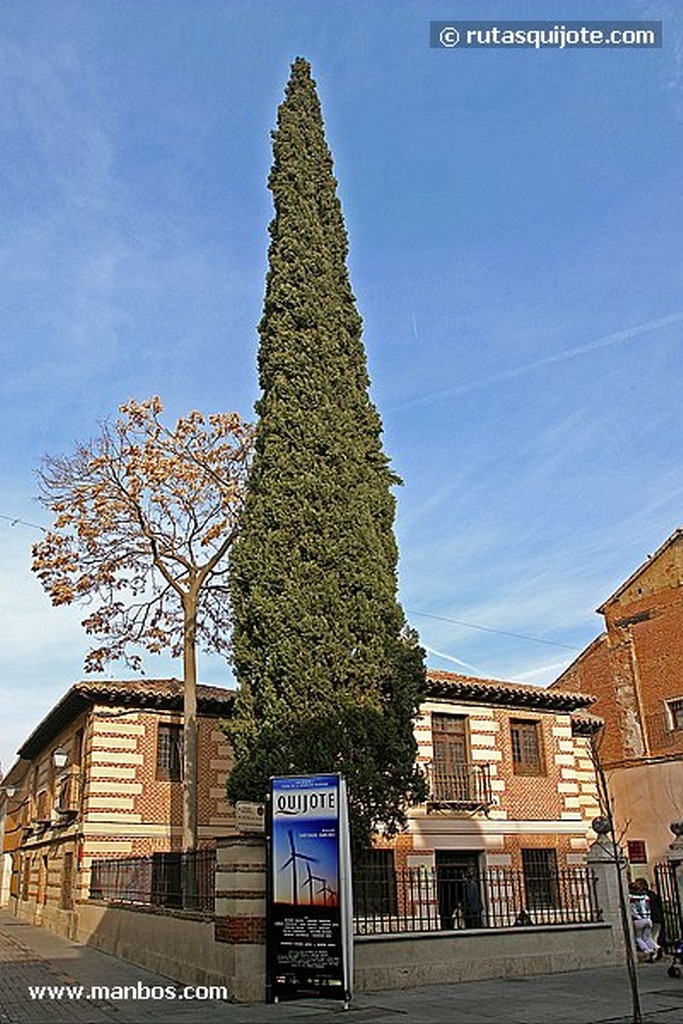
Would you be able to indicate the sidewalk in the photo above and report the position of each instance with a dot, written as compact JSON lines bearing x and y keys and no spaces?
{"x":35,"y":957}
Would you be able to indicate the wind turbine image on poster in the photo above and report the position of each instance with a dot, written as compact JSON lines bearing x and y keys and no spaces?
{"x":292,"y":859}
{"x":309,"y":882}
{"x":325,"y":891}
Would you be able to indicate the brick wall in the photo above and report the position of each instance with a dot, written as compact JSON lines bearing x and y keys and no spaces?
{"x":124,"y":809}
{"x":553,"y":809}
{"x":637,"y":665}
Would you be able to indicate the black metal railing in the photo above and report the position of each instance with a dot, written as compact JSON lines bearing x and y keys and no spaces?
{"x":182,"y":881}
{"x":464,"y":785}
{"x":436,"y":899}
{"x":666,"y":886}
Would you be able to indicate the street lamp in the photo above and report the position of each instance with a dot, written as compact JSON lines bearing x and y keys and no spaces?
{"x":60,"y":758}
{"x":9,"y":791}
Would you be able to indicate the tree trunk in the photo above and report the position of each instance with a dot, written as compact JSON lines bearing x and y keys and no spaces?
{"x":190,"y":731}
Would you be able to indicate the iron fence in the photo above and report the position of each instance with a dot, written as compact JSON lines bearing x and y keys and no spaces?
{"x":667,"y":887}
{"x":436,"y":899}
{"x":182,"y":881}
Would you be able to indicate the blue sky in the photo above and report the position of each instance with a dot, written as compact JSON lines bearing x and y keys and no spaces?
{"x":515,"y":223}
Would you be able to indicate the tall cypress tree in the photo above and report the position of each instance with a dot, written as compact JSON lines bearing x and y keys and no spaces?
{"x":330,"y":677}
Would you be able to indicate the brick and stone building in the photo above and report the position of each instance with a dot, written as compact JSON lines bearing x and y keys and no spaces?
{"x":100,"y":777}
{"x":511,"y":781}
{"x":635,"y":667}
{"x":511,"y":784}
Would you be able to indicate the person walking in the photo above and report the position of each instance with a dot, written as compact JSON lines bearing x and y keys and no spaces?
{"x":656,"y":914}
{"x":642,"y":922}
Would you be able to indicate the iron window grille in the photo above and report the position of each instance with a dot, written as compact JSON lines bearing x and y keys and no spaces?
{"x":539,"y":867}
{"x":169,"y":751}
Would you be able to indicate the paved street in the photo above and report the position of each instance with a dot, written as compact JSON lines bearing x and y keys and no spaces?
{"x":35,"y":957}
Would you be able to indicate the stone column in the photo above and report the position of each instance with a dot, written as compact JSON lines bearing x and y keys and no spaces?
{"x":609,"y":876}
{"x":240,"y":919}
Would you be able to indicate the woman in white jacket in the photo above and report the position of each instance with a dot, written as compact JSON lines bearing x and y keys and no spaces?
{"x":642,"y":922}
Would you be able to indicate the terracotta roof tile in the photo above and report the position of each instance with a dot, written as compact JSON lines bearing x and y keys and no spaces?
{"x":472,"y":689}
{"x":143,"y":693}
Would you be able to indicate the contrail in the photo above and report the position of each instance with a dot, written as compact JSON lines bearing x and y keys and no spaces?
{"x":569,"y":353}
{"x":449,"y":657}
{"x":523,"y":677}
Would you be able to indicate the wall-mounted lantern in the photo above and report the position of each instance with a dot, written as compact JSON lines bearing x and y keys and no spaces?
{"x":60,"y":758}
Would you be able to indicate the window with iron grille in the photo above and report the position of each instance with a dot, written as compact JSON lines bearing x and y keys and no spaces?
{"x":539,"y":866}
{"x":675,"y":708}
{"x":527,"y":747}
{"x":169,"y":751}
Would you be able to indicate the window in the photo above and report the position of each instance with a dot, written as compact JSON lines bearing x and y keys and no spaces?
{"x":43,"y":879}
{"x":26,"y":879}
{"x":67,"y":900}
{"x":527,"y":749}
{"x":169,"y":752}
{"x":540,"y":877}
{"x":452,"y":780}
{"x":77,"y":748}
{"x":43,"y":806}
{"x":675,"y":712}
{"x":449,"y":739}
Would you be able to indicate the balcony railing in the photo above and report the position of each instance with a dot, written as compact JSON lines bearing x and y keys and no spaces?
{"x":460,"y":785}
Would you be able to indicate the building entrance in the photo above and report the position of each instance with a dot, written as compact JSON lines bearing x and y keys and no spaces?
{"x":459,"y":889}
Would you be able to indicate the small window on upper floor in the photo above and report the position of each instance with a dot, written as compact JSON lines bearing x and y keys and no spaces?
{"x":77,"y":748}
{"x":169,"y":751}
{"x":527,"y":747}
{"x":675,"y":713}
{"x":43,"y":806}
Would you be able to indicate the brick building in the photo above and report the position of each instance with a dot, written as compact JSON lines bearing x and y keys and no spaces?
{"x":511,"y":783}
{"x":635,"y":667}
{"x":99,"y":777}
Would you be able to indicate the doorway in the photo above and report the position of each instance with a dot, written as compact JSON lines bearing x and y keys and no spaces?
{"x":458,"y":885}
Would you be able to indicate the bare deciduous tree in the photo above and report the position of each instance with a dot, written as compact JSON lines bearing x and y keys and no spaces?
{"x":144,"y":519}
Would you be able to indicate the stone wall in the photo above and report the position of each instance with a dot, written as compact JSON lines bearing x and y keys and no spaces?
{"x":408,"y":961}
{"x":229,"y":948}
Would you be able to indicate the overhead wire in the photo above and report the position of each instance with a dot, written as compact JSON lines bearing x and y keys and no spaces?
{"x":490,"y":629}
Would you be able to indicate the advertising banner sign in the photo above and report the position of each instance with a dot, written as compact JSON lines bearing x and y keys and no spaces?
{"x":310,"y":941}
